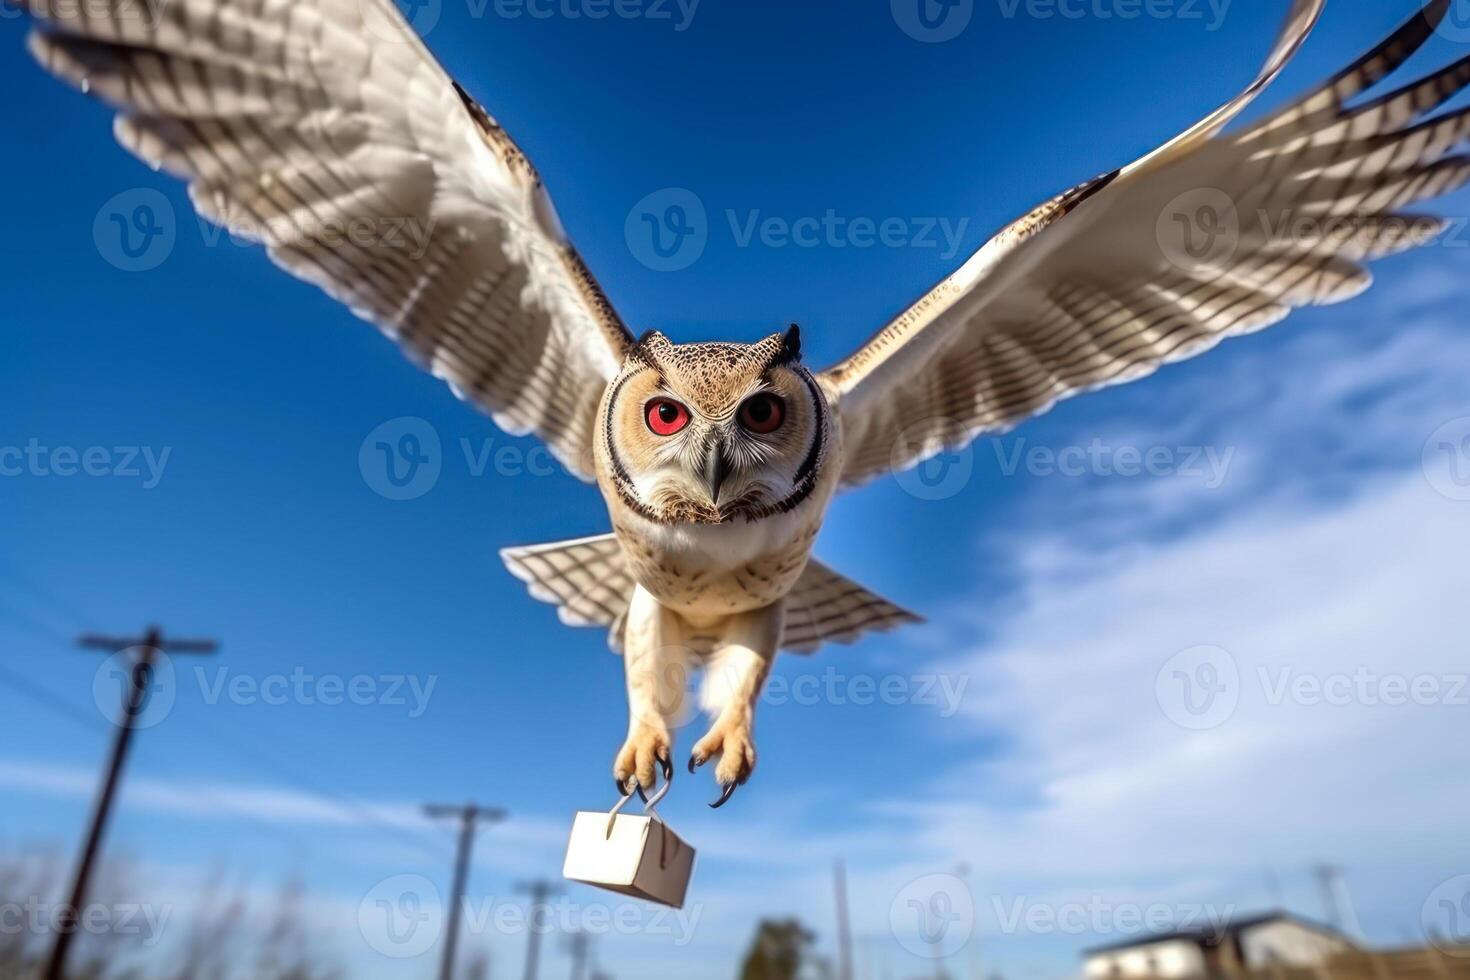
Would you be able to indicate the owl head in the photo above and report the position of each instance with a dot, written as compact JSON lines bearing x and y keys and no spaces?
{"x":707,"y":433}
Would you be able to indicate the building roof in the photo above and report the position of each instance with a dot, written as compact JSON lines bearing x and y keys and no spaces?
{"x":1213,"y":934}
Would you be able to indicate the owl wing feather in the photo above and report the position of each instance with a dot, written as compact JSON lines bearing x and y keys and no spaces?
{"x":1115,"y":278}
{"x":325,"y":130}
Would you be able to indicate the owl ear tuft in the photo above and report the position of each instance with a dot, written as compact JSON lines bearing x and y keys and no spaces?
{"x":791,"y":346}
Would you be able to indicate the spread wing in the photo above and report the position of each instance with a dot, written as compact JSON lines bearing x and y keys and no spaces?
{"x":1208,"y":237}
{"x":325,"y":130}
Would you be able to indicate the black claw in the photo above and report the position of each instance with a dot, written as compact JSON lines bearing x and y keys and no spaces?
{"x":668,"y":767}
{"x":695,"y":762}
{"x":622,"y":790}
{"x":725,"y":796}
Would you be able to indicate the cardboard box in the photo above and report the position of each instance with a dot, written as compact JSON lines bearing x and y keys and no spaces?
{"x":631,"y":855}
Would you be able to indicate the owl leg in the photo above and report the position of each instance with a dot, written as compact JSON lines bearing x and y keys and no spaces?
{"x":657,"y":662}
{"x":736,"y":674}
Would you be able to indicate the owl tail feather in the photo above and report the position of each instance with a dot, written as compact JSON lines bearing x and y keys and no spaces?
{"x":588,"y":580}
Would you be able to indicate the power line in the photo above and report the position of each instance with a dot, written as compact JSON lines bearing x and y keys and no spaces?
{"x":68,"y":611}
{"x":47,"y":698}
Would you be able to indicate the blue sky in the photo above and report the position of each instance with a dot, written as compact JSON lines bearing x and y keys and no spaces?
{"x":1298,"y":522}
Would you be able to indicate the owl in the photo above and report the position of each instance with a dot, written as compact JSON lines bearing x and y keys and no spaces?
{"x":325,"y":130}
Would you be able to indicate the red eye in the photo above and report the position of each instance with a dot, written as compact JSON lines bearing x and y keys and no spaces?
{"x":665,"y":417}
{"x":763,"y":414}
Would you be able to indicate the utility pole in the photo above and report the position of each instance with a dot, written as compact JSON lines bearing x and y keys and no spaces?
{"x":579,"y":944}
{"x":844,"y":930}
{"x":145,"y":649}
{"x":539,"y":890}
{"x":469,"y":817}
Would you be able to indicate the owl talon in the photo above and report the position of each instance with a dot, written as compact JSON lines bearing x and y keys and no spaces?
{"x":647,"y":750}
{"x":725,"y":796}
{"x":730,"y":740}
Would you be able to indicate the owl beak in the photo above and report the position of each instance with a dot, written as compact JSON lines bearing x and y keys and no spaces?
{"x":716,"y":468}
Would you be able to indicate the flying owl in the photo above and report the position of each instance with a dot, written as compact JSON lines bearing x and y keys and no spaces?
{"x":295,"y":119}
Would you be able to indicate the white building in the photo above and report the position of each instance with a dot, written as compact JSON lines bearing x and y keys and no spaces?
{"x":1210,"y":951}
